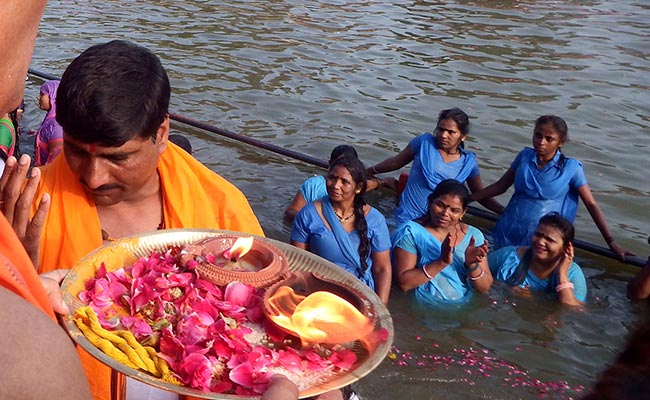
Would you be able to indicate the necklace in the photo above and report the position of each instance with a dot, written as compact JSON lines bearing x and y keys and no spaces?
{"x":341,"y":218}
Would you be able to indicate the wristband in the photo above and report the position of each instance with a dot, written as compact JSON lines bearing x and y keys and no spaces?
{"x":563,"y":286}
{"x":424,"y":269}
{"x":479,"y":276}
{"x":374,"y":169}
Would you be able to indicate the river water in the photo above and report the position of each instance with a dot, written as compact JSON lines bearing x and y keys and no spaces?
{"x":309,"y":75}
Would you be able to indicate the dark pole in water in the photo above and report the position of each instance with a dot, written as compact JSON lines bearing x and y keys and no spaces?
{"x":581,"y":244}
{"x":253,"y":142}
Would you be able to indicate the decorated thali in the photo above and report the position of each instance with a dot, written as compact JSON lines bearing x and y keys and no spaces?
{"x":370,"y":349}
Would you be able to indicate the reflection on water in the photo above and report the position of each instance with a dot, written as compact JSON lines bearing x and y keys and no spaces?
{"x":311,"y":75}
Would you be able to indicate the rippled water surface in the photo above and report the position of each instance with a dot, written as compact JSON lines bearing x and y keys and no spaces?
{"x":309,"y":75}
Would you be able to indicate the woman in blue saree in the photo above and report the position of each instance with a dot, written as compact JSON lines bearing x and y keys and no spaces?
{"x":343,"y":229}
{"x":545,"y":180}
{"x":435,"y":157}
{"x":546,"y":265}
{"x":437,"y":255}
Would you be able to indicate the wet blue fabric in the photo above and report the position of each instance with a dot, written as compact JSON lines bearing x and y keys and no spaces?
{"x":450,"y":285}
{"x":349,"y":250}
{"x":308,"y":227}
{"x":504,"y":263}
{"x":427,"y":171}
{"x":313,"y":188}
{"x":538,"y":192}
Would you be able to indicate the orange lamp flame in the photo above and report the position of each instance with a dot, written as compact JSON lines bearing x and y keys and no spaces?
{"x":321,"y":317}
{"x":241,"y":246}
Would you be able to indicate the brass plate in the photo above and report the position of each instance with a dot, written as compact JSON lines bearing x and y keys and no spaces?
{"x":126,"y":251}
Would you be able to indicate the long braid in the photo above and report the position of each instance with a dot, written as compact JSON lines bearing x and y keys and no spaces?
{"x":361,"y":227}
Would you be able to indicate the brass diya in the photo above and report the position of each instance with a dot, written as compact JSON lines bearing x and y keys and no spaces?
{"x":261,"y":266}
{"x":311,"y":272}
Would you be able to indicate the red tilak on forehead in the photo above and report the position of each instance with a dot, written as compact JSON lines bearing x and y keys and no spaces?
{"x":92,"y":148}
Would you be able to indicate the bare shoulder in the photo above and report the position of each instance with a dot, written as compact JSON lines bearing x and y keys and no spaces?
{"x":31,"y":344}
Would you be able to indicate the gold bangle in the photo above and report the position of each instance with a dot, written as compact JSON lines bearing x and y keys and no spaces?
{"x":477,"y":277}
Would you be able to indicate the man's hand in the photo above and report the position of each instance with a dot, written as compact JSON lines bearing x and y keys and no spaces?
{"x":52,"y":283}
{"x":17,"y":191}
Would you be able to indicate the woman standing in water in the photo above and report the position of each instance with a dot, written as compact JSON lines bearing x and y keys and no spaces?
{"x":544,"y":266}
{"x":545,"y":180}
{"x":440,"y":257}
{"x":435,"y":158}
{"x":343,"y":229}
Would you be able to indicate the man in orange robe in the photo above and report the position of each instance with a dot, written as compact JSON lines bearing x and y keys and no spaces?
{"x":119,"y":175}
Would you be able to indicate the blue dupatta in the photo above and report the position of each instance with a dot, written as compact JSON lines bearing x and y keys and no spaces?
{"x":342,"y":239}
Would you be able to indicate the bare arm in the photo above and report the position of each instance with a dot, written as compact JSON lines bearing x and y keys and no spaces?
{"x":599,"y":219}
{"x":475,"y":185}
{"x":639,"y":286}
{"x":40,"y":359}
{"x":480,"y":278}
{"x":409,"y":276}
{"x":374,"y":183}
{"x":393,"y":163}
{"x":567,"y":295}
{"x":493,"y":190}
{"x":19,"y":20}
{"x":381,"y":273}
{"x":296,"y":205}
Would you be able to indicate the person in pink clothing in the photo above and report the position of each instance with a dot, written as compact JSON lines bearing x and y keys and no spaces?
{"x":49,"y":137}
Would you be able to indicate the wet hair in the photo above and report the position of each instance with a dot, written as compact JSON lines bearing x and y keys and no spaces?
{"x":342,"y":150}
{"x":181,"y":141}
{"x":448,"y":186}
{"x":458,"y":116}
{"x":558,"y":124}
{"x":358,"y":172}
{"x":557,"y":221}
{"x":112,"y":93}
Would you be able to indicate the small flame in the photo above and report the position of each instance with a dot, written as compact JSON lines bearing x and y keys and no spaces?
{"x":241,"y":246}
{"x":321,"y":317}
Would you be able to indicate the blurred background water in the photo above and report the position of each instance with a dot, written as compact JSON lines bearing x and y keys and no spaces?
{"x":310,"y":75}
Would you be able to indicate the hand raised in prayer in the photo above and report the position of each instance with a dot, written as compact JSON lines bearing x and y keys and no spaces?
{"x":447,"y":251}
{"x":475,"y":254}
{"x":18,"y":186}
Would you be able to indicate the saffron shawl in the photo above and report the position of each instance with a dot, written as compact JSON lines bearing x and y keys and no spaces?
{"x":17,"y":273}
